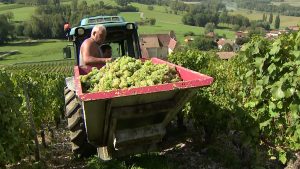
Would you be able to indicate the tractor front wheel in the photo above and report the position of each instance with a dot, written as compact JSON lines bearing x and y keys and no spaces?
{"x":74,"y":115}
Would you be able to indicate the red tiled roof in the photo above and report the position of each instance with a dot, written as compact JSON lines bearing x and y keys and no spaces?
{"x":221,"y":42}
{"x":294,"y":28}
{"x":224,"y":41}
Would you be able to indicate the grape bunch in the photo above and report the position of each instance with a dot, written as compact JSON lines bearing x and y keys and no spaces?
{"x":127,"y":72}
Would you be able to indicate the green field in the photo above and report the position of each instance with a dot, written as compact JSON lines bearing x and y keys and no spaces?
{"x":52,"y":50}
{"x":21,"y":12}
{"x":285,"y":21}
{"x":165,"y":22}
{"x":34,"y":51}
{"x":290,"y":2}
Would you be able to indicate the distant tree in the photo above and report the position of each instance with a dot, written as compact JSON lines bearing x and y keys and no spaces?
{"x":152,"y":21}
{"x":6,"y":29}
{"x":271,"y":18}
{"x":19,"y":29}
{"x":166,"y":10}
{"x":227,"y":47}
{"x":122,"y":2}
{"x":9,"y":15}
{"x":74,"y":5}
{"x":235,"y":27}
{"x":259,"y":23}
{"x":264,"y":17}
{"x":241,"y":41}
{"x":277,"y":22}
{"x":42,"y":2}
{"x":57,"y":21}
{"x":203,"y":43}
{"x":257,"y":31}
{"x":188,"y":19}
{"x":56,"y":2}
{"x":150,"y":7}
{"x":209,"y":27}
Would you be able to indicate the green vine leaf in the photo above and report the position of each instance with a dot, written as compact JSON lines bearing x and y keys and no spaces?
{"x":277,"y":93}
{"x":282,"y":157}
{"x":264,"y":124}
{"x":271,"y":68}
{"x":276,"y":47}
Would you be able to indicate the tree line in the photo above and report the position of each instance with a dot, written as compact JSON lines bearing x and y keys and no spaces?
{"x":32,"y":2}
{"x":200,"y":15}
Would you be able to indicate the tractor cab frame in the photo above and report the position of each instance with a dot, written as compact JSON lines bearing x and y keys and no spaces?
{"x":122,"y":36}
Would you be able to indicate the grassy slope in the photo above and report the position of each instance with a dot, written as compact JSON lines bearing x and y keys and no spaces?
{"x":21,"y":12}
{"x":255,"y":15}
{"x":291,"y":2}
{"x":34,"y":51}
{"x":166,"y":22}
{"x":53,"y":50}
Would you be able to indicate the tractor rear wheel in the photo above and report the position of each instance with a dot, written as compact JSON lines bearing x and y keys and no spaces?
{"x":74,"y":115}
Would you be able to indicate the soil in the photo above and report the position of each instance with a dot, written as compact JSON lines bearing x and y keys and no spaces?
{"x":180,"y":149}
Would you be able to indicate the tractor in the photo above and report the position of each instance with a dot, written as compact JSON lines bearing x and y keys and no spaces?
{"x":121,"y":122}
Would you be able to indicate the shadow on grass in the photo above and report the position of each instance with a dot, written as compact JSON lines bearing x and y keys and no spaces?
{"x":223,"y":27}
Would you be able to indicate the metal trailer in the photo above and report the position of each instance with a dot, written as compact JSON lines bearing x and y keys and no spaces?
{"x":130,"y":121}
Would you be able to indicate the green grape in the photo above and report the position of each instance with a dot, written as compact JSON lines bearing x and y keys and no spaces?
{"x":115,"y":83}
{"x":127,"y":72}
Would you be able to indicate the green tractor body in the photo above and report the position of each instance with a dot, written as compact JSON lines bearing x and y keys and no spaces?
{"x":122,"y":36}
{"x":122,"y":122}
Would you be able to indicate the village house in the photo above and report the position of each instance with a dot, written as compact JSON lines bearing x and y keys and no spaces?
{"x":294,"y":28}
{"x":275,"y":33}
{"x":240,"y":34}
{"x":212,"y":35}
{"x":221,"y":42}
{"x":157,"y":45}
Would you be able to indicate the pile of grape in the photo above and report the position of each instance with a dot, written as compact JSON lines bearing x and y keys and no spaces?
{"x":127,"y":72}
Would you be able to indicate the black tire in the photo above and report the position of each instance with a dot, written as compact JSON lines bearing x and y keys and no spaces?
{"x":74,"y":115}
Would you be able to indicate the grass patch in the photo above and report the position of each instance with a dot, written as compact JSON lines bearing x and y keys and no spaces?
{"x":21,"y":13}
{"x":34,"y":51}
{"x":165,"y":22}
{"x":290,"y":2}
{"x":10,"y":6}
{"x":285,"y":21}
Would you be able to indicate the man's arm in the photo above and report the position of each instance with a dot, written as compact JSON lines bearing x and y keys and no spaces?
{"x":90,"y":54}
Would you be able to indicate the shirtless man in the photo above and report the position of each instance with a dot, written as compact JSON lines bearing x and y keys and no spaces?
{"x":90,"y":52}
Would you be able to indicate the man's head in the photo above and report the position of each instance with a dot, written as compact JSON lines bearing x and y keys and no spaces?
{"x":98,"y":34}
{"x":106,"y":50}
